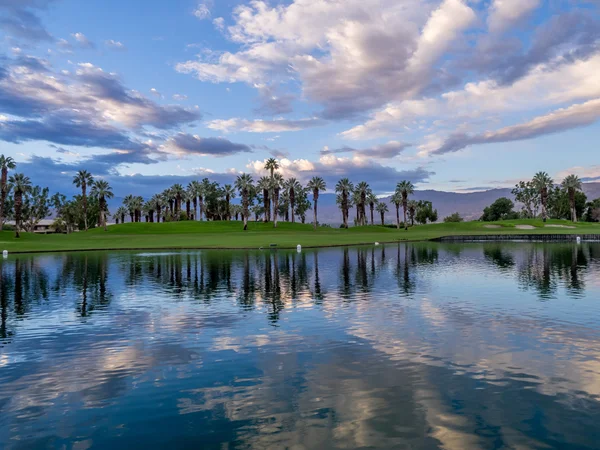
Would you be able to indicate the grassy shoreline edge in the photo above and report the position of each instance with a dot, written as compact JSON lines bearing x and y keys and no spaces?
{"x":229,"y":236}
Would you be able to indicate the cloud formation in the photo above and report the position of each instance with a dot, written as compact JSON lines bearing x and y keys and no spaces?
{"x":187,"y":144}
{"x":384,"y":151}
{"x":19,"y":19}
{"x":263,"y":126}
{"x":560,"y":120}
{"x":115,"y":45}
{"x":350,"y":56}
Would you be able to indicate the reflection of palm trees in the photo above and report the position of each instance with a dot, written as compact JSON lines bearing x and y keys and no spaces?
{"x":544,"y":267}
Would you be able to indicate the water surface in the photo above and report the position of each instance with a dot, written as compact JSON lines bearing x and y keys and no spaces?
{"x":420,"y":346}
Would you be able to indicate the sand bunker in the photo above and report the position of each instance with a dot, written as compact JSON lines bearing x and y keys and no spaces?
{"x":558,"y":226}
{"x":492,"y":226}
{"x":525,"y":227}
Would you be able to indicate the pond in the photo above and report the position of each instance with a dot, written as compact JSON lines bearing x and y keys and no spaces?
{"x":421,"y":346}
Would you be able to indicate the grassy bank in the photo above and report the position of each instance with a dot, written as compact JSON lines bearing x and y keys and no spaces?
{"x":184,"y":235}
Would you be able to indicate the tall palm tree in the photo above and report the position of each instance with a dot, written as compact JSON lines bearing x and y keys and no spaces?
{"x":316,"y":184}
{"x":82,"y":180}
{"x":155,"y":204}
{"x":120,"y":214}
{"x":264,"y":184}
{"x":228,"y":193}
{"x":272,"y":165}
{"x":412,"y":209}
{"x":102,"y":191}
{"x":572,"y":184}
{"x":372,"y":201}
{"x":20,"y":184}
{"x":194,"y":189}
{"x":178,"y":192}
{"x":543,"y":183}
{"x":396,"y":199}
{"x":293,"y":187}
{"x":276,"y":184}
{"x":205,"y":189}
{"x":128,"y":204}
{"x":362,"y":190}
{"x":244,"y":185}
{"x":405,"y":188}
{"x":344,"y":187}
{"x":382,"y":209}
{"x":6,"y":164}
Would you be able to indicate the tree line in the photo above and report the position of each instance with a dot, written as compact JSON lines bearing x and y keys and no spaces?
{"x":542,"y":197}
{"x":268,"y":198}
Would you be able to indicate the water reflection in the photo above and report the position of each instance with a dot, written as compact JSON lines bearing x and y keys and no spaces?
{"x":409,"y":346}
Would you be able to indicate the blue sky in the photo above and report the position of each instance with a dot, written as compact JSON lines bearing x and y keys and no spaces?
{"x":450,"y":94}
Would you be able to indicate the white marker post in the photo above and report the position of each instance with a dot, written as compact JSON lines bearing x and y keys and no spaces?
{"x":5,"y":254}
{"x":298,"y":248}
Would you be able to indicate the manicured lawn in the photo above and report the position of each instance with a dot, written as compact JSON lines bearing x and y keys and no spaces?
{"x":230,"y":235}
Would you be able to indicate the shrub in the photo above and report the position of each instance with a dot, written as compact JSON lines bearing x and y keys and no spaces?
{"x":453,"y":218}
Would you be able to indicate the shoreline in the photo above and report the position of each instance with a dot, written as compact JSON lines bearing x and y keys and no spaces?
{"x":481,"y":238}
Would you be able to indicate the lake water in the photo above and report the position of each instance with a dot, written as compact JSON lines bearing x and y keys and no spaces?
{"x":424,"y":346}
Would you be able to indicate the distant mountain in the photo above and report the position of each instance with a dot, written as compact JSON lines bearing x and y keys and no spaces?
{"x":468,"y":205}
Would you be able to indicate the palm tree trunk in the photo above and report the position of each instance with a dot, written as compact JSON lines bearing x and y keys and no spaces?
{"x":398,"y":216}
{"x":18,"y":205}
{"x":405,"y":221}
{"x":195,"y":208}
{"x":572,"y":201}
{"x":382,"y":218}
{"x":275,"y":207}
{"x":83,"y":193}
{"x":372,"y":218}
{"x":315,"y":210}
{"x":3,"y":193}
{"x":201,"y":200}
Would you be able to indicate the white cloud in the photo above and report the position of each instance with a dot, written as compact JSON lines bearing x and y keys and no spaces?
{"x":504,"y":13}
{"x":351,"y":56}
{"x":179,"y":97}
{"x":154,"y":92}
{"x":263,"y":126}
{"x":560,"y":120}
{"x":82,"y":40}
{"x":202,"y":11}
{"x":114,"y":45}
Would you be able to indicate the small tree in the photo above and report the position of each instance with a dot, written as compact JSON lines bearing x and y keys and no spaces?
{"x":501,"y":209}
{"x":453,"y":218}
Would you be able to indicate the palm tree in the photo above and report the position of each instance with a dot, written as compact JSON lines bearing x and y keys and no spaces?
{"x":244,"y":185}
{"x":177,"y":191}
{"x":6,"y":164}
{"x":102,"y":191}
{"x":382,"y":209}
{"x":272,"y":165}
{"x":292,"y":187}
{"x":572,"y":184}
{"x":405,"y":188}
{"x":120,"y":214}
{"x":372,"y":201}
{"x":344,"y":187}
{"x":228,"y":193}
{"x":155,"y":203}
{"x":276,"y":184}
{"x":396,"y":199}
{"x":543,"y":183}
{"x":316,"y":184}
{"x":412,"y":209}
{"x":192,"y":192}
{"x":82,"y":180}
{"x":265,"y":184}
{"x":362,"y":190}
{"x":20,"y":184}
{"x":205,"y":188}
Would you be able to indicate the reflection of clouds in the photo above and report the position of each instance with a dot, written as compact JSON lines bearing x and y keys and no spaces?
{"x":384,"y":350}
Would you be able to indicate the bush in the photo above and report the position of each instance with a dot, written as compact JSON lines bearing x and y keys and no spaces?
{"x":501,"y":209}
{"x":453,"y":218}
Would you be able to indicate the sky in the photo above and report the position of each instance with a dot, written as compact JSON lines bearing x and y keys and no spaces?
{"x":455,"y":95}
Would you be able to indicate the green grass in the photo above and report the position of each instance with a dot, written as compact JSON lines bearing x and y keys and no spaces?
{"x":230,"y":235}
